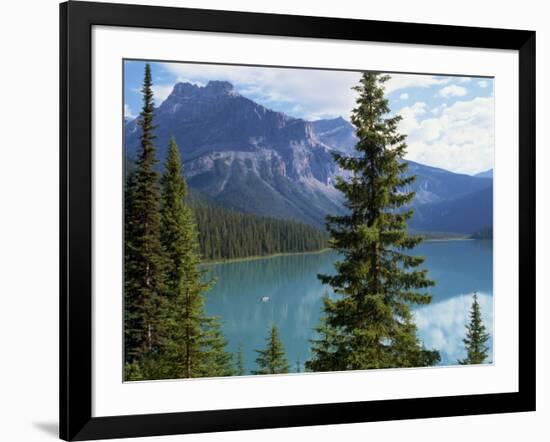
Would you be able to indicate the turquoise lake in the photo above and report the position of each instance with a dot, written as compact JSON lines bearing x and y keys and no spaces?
{"x":459,"y":268}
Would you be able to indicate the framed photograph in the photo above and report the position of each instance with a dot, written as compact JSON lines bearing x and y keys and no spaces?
{"x":272,"y":221}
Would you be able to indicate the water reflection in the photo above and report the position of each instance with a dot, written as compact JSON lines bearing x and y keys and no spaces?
{"x":442,"y":325}
{"x":295,"y":297}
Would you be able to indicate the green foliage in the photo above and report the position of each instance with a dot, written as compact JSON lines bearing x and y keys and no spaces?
{"x":272,"y":359}
{"x":240,"y":362}
{"x":225,"y":233}
{"x":476,"y":337}
{"x":167,"y":334}
{"x":369,"y":324}
{"x":228,"y":234}
{"x":152,"y":366}
{"x":192,"y":343}
{"x":143,"y":255}
{"x":216,"y":360}
{"x":324,"y":346}
{"x":133,"y":371}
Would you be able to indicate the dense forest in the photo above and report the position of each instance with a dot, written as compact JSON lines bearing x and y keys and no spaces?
{"x":225,"y":233}
{"x":229,"y":234}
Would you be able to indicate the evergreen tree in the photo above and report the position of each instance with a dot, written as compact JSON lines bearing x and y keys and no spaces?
{"x":192,"y":343}
{"x":370,"y":324}
{"x":217,"y":361}
{"x":272,"y":359}
{"x":476,"y":337}
{"x":240,"y":362}
{"x":323,"y":347}
{"x":143,"y":254}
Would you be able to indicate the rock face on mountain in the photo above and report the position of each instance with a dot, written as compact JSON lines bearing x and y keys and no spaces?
{"x":245,"y":156}
{"x":337,"y":133}
{"x":434,"y":185}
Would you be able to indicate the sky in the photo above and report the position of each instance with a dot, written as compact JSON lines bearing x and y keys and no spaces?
{"x":449,"y":121}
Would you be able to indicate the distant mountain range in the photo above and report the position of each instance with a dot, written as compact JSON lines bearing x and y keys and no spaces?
{"x":485,"y":174}
{"x":248,"y":157}
{"x":468,"y":213}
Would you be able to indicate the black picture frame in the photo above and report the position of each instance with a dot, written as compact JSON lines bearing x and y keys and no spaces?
{"x":76,"y":21}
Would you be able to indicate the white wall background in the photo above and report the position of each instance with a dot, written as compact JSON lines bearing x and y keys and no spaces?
{"x":29,"y":219}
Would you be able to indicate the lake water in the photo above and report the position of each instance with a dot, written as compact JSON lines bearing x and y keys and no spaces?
{"x":295,"y":298}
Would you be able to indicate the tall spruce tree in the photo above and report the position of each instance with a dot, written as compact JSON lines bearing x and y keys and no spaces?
{"x":369,"y":324}
{"x":216,"y":360}
{"x":240,"y":362}
{"x":272,"y":359}
{"x":476,"y":337}
{"x":323,"y":346}
{"x":143,"y":255}
{"x":193,"y":344}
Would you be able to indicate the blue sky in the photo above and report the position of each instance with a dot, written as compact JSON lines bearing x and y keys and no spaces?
{"x":448,"y":120}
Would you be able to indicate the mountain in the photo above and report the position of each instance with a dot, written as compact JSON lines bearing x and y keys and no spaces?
{"x":485,"y":174}
{"x":467,"y":214}
{"x":434,"y":185}
{"x":337,"y":133}
{"x":245,"y":156}
{"x":442,"y":198}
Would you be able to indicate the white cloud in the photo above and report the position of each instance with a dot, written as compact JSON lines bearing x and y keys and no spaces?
{"x":459,"y":137}
{"x":442,"y":325}
{"x":161,"y":92}
{"x":312,"y":93}
{"x":409,"y":114}
{"x":464,"y":79}
{"x":404,"y":96}
{"x":452,"y":91}
{"x":404,"y":81}
{"x":483,"y":83}
{"x":128,"y":112}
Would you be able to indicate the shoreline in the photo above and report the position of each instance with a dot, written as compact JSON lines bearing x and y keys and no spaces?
{"x":256,"y":257}
{"x":326,"y":249}
{"x":449,"y":239}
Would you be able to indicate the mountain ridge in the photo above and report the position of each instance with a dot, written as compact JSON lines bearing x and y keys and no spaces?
{"x":254,"y":159}
{"x":485,"y":174}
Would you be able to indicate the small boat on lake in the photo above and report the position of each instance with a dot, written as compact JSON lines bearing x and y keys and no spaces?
{"x":264,"y":298}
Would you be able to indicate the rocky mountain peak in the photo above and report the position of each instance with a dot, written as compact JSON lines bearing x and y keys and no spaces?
{"x":254,"y":159}
{"x":213,"y":89}
{"x":219,"y":88}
